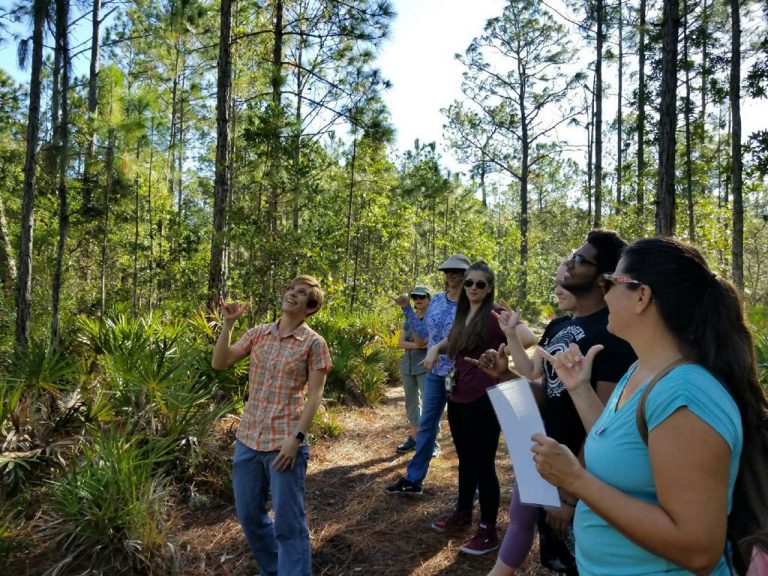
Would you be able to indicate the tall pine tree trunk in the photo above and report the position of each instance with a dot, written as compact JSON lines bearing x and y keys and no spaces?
{"x":737,"y":246}
{"x":217,"y":275}
{"x":111,"y":179}
{"x":150,"y":218}
{"x":24,"y":286}
{"x":619,"y":117}
{"x":524,"y":173}
{"x":136,"y":220}
{"x":687,"y":119}
{"x":93,"y":79}
{"x":599,"y":116}
{"x":705,"y":75}
{"x":62,"y":47}
{"x":7,"y":262}
{"x":665,"y":192}
{"x":641,"y":111}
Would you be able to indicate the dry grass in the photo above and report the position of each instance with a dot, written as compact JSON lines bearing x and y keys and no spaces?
{"x":357,"y":528}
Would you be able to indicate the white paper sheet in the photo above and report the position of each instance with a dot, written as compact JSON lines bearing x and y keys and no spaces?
{"x":519,"y":417}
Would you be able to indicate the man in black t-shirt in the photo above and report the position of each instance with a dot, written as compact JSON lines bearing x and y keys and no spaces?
{"x":560,"y":416}
{"x":582,"y":277}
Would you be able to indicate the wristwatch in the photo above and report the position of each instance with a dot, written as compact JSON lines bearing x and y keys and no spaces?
{"x":299,"y":435}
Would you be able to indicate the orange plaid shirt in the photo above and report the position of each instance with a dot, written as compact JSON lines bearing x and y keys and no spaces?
{"x":277,"y":382}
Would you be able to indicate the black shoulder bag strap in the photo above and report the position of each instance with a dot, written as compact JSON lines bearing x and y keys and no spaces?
{"x":642,"y":424}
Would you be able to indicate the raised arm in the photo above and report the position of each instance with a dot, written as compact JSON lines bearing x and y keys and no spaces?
{"x":224,"y":354}
{"x":574,"y":371}
{"x":419,"y":325}
{"x":519,"y":337}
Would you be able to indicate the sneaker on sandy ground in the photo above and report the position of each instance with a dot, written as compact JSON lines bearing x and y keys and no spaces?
{"x":407,"y":446}
{"x":436,"y":451}
{"x":404,"y":486}
{"x":456,"y":519}
{"x":484,"y":541}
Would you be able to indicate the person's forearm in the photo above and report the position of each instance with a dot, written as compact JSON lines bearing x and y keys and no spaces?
{"x":588,"y":405}
{"x":523,"y":363}
{"x":311,"y":406}
{"x":419,"y":325}
{"x":220,"y":359}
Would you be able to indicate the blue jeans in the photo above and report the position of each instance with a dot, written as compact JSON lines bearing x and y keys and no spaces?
{"x":280,"y":546}
{"x":432,"y":406}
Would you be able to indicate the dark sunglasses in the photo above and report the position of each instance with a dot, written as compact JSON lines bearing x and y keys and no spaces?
{"x":417,"y":297}
{"x":612,"y":279}
{"x":579,"y":259}
{"x":481,"y":284}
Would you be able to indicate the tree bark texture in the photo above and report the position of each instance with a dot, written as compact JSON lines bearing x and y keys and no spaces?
{"x":665,"y":191}
{"x":641,"y":111}
{"x":599,"y":115}
{"x":217,"y":276}
{"x":24,"y":286}
{"x":62,"y":145}
{"x":737,"y":243}
{"x":93,"y":102}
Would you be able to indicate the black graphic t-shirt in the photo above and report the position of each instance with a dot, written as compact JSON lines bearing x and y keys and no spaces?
{"x":560,"y":417}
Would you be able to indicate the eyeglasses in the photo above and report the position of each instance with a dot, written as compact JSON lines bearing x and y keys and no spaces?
{"x":481,"y":284}
{"x":417,"y":297}
{"x":579,"y":259}
{"x":612,"y":279}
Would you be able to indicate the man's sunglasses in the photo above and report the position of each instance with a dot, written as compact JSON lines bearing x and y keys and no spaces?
{"x":579,"y":259}
{"x":612,"y":279}
{"x":417,"y":297}
{"x":481,"y":284}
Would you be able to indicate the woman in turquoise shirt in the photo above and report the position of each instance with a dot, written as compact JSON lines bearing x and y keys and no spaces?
{"x":660,"y":507}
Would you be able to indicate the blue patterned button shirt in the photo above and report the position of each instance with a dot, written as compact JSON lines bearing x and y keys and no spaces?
{"x":436,"y":324}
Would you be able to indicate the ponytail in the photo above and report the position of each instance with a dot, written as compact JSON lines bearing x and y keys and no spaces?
{"x":706,"y":314}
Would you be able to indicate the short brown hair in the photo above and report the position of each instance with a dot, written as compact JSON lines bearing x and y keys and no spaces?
{"x":316,"y":296}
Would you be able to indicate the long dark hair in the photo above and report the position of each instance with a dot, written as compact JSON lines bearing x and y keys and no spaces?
{"x":466,"y":337}
{"x":706,"y":314}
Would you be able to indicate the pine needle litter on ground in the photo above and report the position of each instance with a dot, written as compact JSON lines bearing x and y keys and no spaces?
{"x":356,"y":527}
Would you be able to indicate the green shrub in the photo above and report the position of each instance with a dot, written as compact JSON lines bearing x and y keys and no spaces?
{"x":42,"y":414}
{"x":357,"y":349}
{"x":326,"y":425}
{"x":109,"y":513}
{"x":157,"y":383}
{"x":761,"y":351}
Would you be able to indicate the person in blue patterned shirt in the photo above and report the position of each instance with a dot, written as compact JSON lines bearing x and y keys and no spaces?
{"x":435,"y":326}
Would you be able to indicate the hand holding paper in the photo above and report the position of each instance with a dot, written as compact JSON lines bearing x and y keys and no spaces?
{"x":520,"y":419}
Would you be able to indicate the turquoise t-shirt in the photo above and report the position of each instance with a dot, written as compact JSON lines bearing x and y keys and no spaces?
{"x":616,"y":454}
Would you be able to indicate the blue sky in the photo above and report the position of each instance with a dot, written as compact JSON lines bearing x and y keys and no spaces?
{"x":419,"y":60}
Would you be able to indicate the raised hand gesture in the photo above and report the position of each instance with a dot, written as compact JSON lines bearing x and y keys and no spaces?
{"x":231,"y":311}
{"x":493,"y":362}
{"x":401,"y":300}
{"x":573,"y":368}
{"x":508,"y":320}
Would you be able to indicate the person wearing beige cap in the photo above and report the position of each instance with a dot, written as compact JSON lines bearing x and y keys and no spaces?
{"x":435,"y":326}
